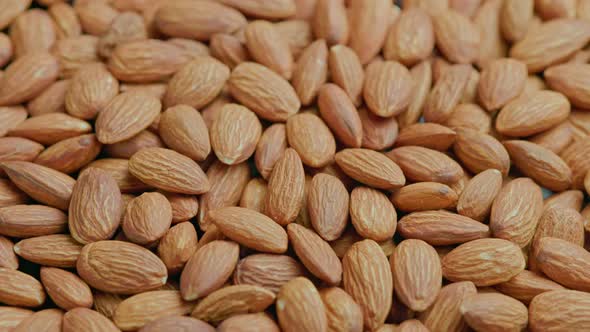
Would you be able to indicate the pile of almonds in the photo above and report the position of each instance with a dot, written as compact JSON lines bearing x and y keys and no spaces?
{"x":294,"y":165}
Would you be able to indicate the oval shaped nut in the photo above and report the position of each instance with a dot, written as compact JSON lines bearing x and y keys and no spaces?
{"x":83,"y":319}
{"x":476,"y":199}
{"x":95,"y":17}
{"x":428,"y":135}
{"x":347,"y":71}
{"x":470,"y":116}
{"x":127,"y":148}
{"x":120,"y":267}
{"x":515,"y":18}
{"x":422,"y":78}
{"x":208,"y":269}
{"x":119,"y":171}
{"x":57,"y":250}
{"x":250,"y":228}
{"x":8,"y":257}
{"x":501,"y":81}
{"x":66,"y":289}
{"x":297,"y":32}
{"x":532,"y":114}
{"x":572,"y":199}
{"x":441,"y":228}
{"x":11,"y":117}
{"x":47,"y":319}
{"x":243,"y":322}
{"x":446,"y":93}
{"x":259,"y":8}
{"x":228,"y":49}
{"x":456,"y":36}
{"x":126,"y":116}
{"x":573,"y":155}
{"x":424,"y":196}
{"x":299,"y":298}
{"x":372,"y":214}
{"x":387,"y":88}
{"x":184,"y":207}
{"x":10,"y":194}
{"x":564,"y":262}
{"x":11,"y":9}
{"x":422,"y":164}
{"x":269,"y":48}
{"x":271,"y":146}
{"x":267,"y":271}
{"x":196,"y":83}
{"x":342,"y":312}
{"x":526,"y":285}
{"x":378,"y":133}
{"x":235,"y":134}
{"x":177,"y":246}
{"x":183,"y":129}
{"x":197,"y":19}
{"x":91,"y":89}
{"x":369,"y":23}
{"x":19,"y":149}
{"x":147,"y":218}
{"x":26,"y":77}
{"x":168,"y":170}
{"x":312,"y":139}
{"x":311,"y":71}
{"x":287,"y":176}
{"x":52,"y":100}
{"x":494,"y":311}
{"x":71,"y":154}
{"x":263,"y":91}
{"x":51,"y":128}
{"x":222,"y":303}
{"x":106,"y":303}
{"x":96,"y":206}
{"x":330,"y":22}
{"x":559,"y":310}
{"x":570,"y":79}
{"x":484,"y":262}
{"x":367,"y":278}
{"x":315,"y":253}
{"x":411,"y":38}
{"x":444,"y":313}
{"x":416,"y":269}
{"x":24,"y":221}
{"x":479,"y":151}
{"x":327,"y":204}
{"x":339,"y":113}
{"x":516,"y":211}
{"x":371,"y":168}
{"x":20,"y":289}
{"x":75,"y":53}
{"x":12,"y":316}
{"x":177,"y":323}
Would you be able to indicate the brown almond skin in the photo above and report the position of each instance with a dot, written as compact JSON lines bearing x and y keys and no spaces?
{"x":263,"y":91}
{"x":18,"y":148}
{"x":387,"y":88}
{"x":367,"y":278}
{"x":569,"y":79}
{"x":228,"y":49}
{"x":8,"y":257}
{"x":12,"y":316}
{"x":247,"y":323}
{"x":316,"y":254}
{"x":343,"y":313}
{"x":51,"y":128}
{"x":479,"y":152}
{"x":119,"y":171}
{"x":10,"y":194}
{"x":197,"y":83}
{"x":413,"y":22}
{"x":87,"y":320}
{"x":26,"y":77}
{"x":235,"y":134}
{"x":20,"y":289}
{"x":494,"y":311}
{"x":484,"y":262}
{"x":564,"y":262}
{"x":250,"y":228}
{"x":177,"y":323}
{"x":573,"y":156}
{"x":287,"y":176}
{"x":125,"y":268}
{"x":456,"y":36}
{"x":416,"y":270}
{"x":58,"y":250}
{"x":26,"y":221}
{"x":372,"y":214}
{"x":96,"y":207}
{"x":271,"y":146}
{"x":541,"y":164}
{"x":378,"y":133}
{"x":476,"y":199}
{"x":327,"y":204}
{"x":268,"y":271}
{"x":422,"y":77}
{"x":48,"y":320}
{"x":566,"y":199}
{"x":168,"y":170}
{"x":371,"y":168}
{"x":268,"y":47}
{"x":446,"y":93}
{"x":347,"y":71}
{"x":369,"y":22}
{"x":516,"y":211}
{"x":428,"y":135}
{"x":91,"y":89}
{"x":469,"y":116}
{"x":66,"y":289}
{"x":75,"y":52}
{"x":52,"y":100}
{"x":340,"y":114}
{"x":444,"y":314}
{"x":177,"y":246}
{"x":422,"y":164}
{"x":299,"y":298}
{"x":147,"y":218}
{"x":208,"y":269}
{"x":127,"y":148}
{"x":298,"y":34}
{"x":526,"y":285}
{"x":70,"y":154}
{"x":424,"y":196}
{"x":501,"y":81}
{"x":311,"y":138}
{"x":330,"y":22}
{"x":559,"y":310}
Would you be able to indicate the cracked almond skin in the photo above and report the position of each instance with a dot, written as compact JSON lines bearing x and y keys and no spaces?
{"x":484,"y":262}
{"x":267,"y":271}
{"x":84,"y":319}
{"x":421,"y":164}
{"x":343,"y":313}
{"x":311,"y":138}
{"x":491,"y":312}
{"x":235,"y":134}
{"x":25,"y":221}
{"x":479,"y":151}
{"x":441,"y":227}
{"x":564,"y":262}
{"x":340,"y":114}
{"x":169,"y":170}
{"x":388,"y":88}
{"x":58,"y":250}
{"x":66,"y":289}
{"x":120,"y":267}
{"x":371,"y":168}
{"x":526,"y":285}
{"x":476,"y":199}
{"x":250,"y":229}
{"x":424,"y":196}
{"x":444,"y":314}
{"x":26,"y":77}
{"x":367,"y":278}
{"x":71,"y":154}
{"x":300,"y":298}
{"x":288,"y":176}
{"x":96,"y":207}
{"x":327,"y":204}
{"x":208,"y":269}
{"x":177,"y":323}
{"x":559,"y":310}
{"x":177,"y":246}
{"x":147,"y":218}
{"x":20,"y":289}
{"x":315,"y":253}
{"x":372,"y":214}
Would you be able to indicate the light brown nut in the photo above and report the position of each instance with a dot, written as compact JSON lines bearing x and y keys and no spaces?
{"x":268,"y":271}
{"x":347,"y":71}
{"x":287,"y":176}
{"x":559,"y":310}
{"x":66,"y":289}
{"x":26,"y":77}
{"x":235,"y":134}
{"x":515,"y":18}
{"x":369,"y":22}
{"x":74,"y":53}
{"x":371,"y":213}
{"x":446,"y":93}
{"x":147,"y":218}
{"x":12,"y":117}
{"x":572,"y":199}
{"x":494,"y":311}
{"x":70,"y":154}
{"x":271,"y":146}
{"x":476,"y":199}
{"x":126,"y":27}
{"x":311,"y":138}
{"x":311,"y":71}
{"x":32,"y":32}
{"x":91,"y":89}
{"x":177,"y":246}
{"x":95,"y":16}
{"x":555,"y":139}
{"x":52,"y":100}
{"x":479,"y":152}
{"x":10,"y":10}
{"x":378,"y":133}
{"x":8,"y":257}
{"x":343,"y":313}
{"x":327,"y":204}
{"x":182,"y":128}
{"x":424,"y":196}
{"x":456,"y":36}
{"x":50,"y":128}
{"x":371,"y":168}
{"x":127,"y":148}
{"x":83,"y":319}
{"x":12,"y":316}
{"x":299,"y":298}
{"x":228,"y":49}
{"x":263,"y":9}
{"x":428,"y":135}
{"x":48,"y":319}
{"x":411,"y":38}
{"x":526,"y":285}
{"x":20,"y":289}
{"x":422,"y":164}
{"x":67,"y":23}
{"x":297,"y":33}
{"x":444,"y":314}
{"x":330,"y":21}
{"x":564,"y":262}
{"x":57,"y":250}
{"x":501,"y":81}
{"x":339,"y":113}
{"x":470,"y":116}
{"x":177,"y":323}
{"x":268,"y":47}
{"x":387,"y":88}
{"x":119,"y":170}
{"x":570,"y":79}
{"x":422,"y":78}
{"x":573,"y":155}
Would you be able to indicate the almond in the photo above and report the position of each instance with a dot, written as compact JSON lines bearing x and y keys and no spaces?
{"x":501,"y":81}
{"x":572,"y":199}
{"x":446,"y":93}
{"x":559,"y":310}
{"x":168,"y":170}
{"x":301,"y":128}
{"x":268,"y":271}
{"x":235,"y":134}
{"x":456,"y":36}
{"x":299,"y":298}
{"x":119,"y":171}
{"x":66,"y":289}
{"x":51,"y":128}
{"x":444,"y":314}
{"x":515,"y":18}
{"x":197,"y":83}
{"x":11,"y":117}
{"x":371,"y":213}
{"x":233,"y":300}
{"x":340,"y":115}
{"x":555,"y":139}
{"x":8,"y":257}
{"x":342,"y":312}
{"x":346,"y":71}
{"x":311,"y":71}
{"x":492,"y":45}
{"x":378,"y":133}
{"x":422,"y":164}
{"x":424,"y":196}
{"x":10,"y":194}
{"x":48,"y":320}
{"x":371,"y":168}
{"x":147,"y":218}
{"x":177,"y":246}
{"x":470,"y":116}
{"x":573,"y":155}
{"x":26,"y":77}
{"x":484,"y":262}
{"x":6,"y":49}
{"x":91,"y":89}
{"x":83,"y":319}
{"x":57,"y":250}
{"x":67,"y":23}
{"x":250,"y":229}
{"x":12,"y":316}
{"x":476,"y":199}
{"x":287,"y":176}
{"x":494,"y":311}
{"x":32,"y":32}
{"x":259,"y":8}
{"x":71,"y":154}
{"x":271,"y":146}
{"x":369,"y":23}
{"x":327,"y":202}
{"x":179,"y":323}
{"x":387,"y":88}
{"x":422,"y":80}
{"x":428,"y":135}
{"x":20,"y":289}
{"x":564,"y":262}
{"x":127,"y":148}
{"x":75,"y":53}
{"x":31,"y":220}
{"x":411,"y":38}
{"x":269,"y":48}
{"x":263,"y":91}
{"x":532,"y":114}
{"x":297,"y":33}
{"x":479,"y":152}
{"x":182,"y":128}
{"x":570,"y":79}
{"x":527,"y":285}
{"x":120,"y":267}
{"x":10,"y":10}
{"x":95,"y":17}
{"x":330,"y":21}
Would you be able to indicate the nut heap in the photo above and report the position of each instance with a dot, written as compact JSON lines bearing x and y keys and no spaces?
{"x":294,"y":165}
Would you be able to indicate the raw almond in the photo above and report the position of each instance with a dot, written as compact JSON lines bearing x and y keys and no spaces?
{"x":95,"y":17}
{"x":8,"y":257}
{"x":32,"y":32}
{"x":75,"y":53}
{"x":267,"y":271}
{"x":147,"y":218}
{"x":330,"y":21}
{"x":555,"y":139}
{"x":83,"y":319}
{"x":51,"y":128}
{"x":491,"y":44}
{"x":571,"y":80}
{"x":572,"y":199}
{"x":299,"y":298}
{"x":25,"y":221}
{"x":564,"y":262}
{"x":11,"y":117}
{"x":10,"y":10}
{"x":177,"y":246}
{"x":526,"y":285}
{"x":428,"y":135}
{"x":342,"y":312}
{"x":446,"y":93}
{"x":259,"y":8}
{"x":119,"y":171}
{"x":494,"y":312}
{"x":501,"y":81}
{"x":182,"y":128}
{"x":478,"y":152}
{"x":422,"y":164}
{"x":71,"y":154}
{"x":515,"y":18}
{"x":287,"y":176}
{"x":235,"y":134}
{"x":311,"y":138}
{"x":573,"y":155}
{"x":59,"y":250}
{"x":91,"y":89}
{"x":444,"y":314}
{"x":347,"y":71}
{"x":378,"y":133}
{"x":297,"y":33}
{"x":269,"y":48}
{"x":559,"y":310}
{"x":411,"y":38}
{"x":127,"y":148}
{"x":20,"y":289}
{"x":177,"y":322}
{"x":10,"y":194}
{"x":476,"y":199}
{"x":371,"y":213}
{"x":228,"y":49}
{"x":387,"y":88}
{"x":369,"y":23}
{"x":339,"y":113}
{"x":371,"y":168}
{"x":422,"y":80}
{"x":456,"y":36}
{"x":47,"y":319}
{"x":311,"y":71}
{"x":12,"y":316}
{"x":271,"y":146}
{"x":26,"y":77}
{"x":327,"y":203}
{"x":66,"y":289}
{"x":424,"y":196}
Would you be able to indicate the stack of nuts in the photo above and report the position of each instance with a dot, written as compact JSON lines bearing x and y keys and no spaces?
{"x":294,"y":165}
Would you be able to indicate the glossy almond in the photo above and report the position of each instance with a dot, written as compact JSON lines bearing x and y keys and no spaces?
{"x":371,"y":214}
{"x":260,"y":8}
{"x":91,"y":89}
{"x":66,"y":289}
{"x":287,"y":176}
{"x":20,"y":289}
{"x":147,"y":218}
{"x":26,"y":77}
{"x":51,"y":128}
{"x":339,"y":113}
{"x":235,"y":134}
{"x":572,"y":199}
{"x":478,"y":152}
{"x":371,"y":168}
{"x":446,"y":93}
{"x":299,"y":298}
{"x":494,"y":311}
{"x":424,"y":196}
{"x":422,"y":164}
{"x":476,"y":199}
{"x":71,"y":154}
{"x":298,"y":34}
{"x":58,"y":250}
